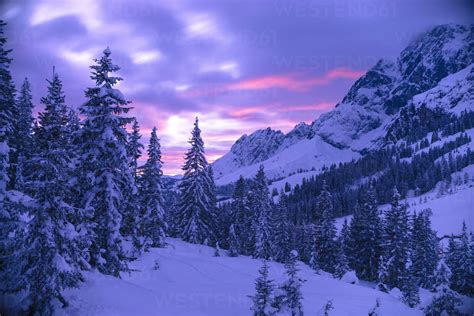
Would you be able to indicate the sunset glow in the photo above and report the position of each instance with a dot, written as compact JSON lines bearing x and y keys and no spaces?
{"x":180,"y":59}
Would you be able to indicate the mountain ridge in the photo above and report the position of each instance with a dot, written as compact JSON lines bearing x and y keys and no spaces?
{"x":360,"y":121}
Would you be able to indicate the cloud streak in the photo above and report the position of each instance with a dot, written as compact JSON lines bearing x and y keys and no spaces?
{"x":291,"y":82}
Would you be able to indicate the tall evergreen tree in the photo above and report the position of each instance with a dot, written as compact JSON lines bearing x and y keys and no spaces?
{"x":382,"y":276}
{"x":53,"y":120}
{"x":365,"y":235}
{"x":396,"y":242}
{"x":282,"y":243}
{"x":7,"y":218}
{"x":48,"y":259}
{"x":306,"y":242}
{"x":344,"y":238}
{"x":153,"y":225}
{"x":342,"y":265}
{"x":104,"y":163}
{"x":25,"y":125}
{"x":263,"y":298}
{"x":424,"y":253}
{"x":292,"y":287}
{"x":234,"y":246}
{"x":130,"y":227}
{"x":445,"y":300}
{"x":134,"y":147}
{"x":7,"y":114}
{"x":410,"y":289}
{"x":241,"y":218}
{"x":261,"y":205}
{"x":196,"y":208}
{"x":325,"y":232}
{"x":314,"y":260}
{"x":460,"y":262}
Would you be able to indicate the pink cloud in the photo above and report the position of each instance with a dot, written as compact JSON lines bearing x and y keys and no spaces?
{"x":291,"y":81}
{"x":218,"y":142}
{"x":247,"y":112}
{"x":324,"y":106}
{"x":345,"y":73}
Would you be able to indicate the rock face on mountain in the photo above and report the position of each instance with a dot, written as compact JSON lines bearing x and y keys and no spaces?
{"x":435,"y":69}
{"x":454,"y":93}
{"x":388,"y":86}
{"x":257,"y":147}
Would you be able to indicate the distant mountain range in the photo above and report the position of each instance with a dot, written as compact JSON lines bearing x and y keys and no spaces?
{"x":436,"y":71}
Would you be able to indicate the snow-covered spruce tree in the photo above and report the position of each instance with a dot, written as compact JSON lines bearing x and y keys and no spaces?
{"x":382,"y":276}
{"x":424,"y":253}
{"x":104,"y":163}
{"x":131,"y":218}
{"x":344,"y":237}
{"x":292,"y":287}
{"x":314,"y":260}
{"x":410,"y":289}
{"x":306,"y":241}
{"x":396,"y":247}
{"x":460,"y":262}
{"x":261,"y":205}
{"x":25,"y":125}
{"x":153,"y":225}
{"x":234,"y":245}
{"x":6,"y":118}
{"x":282,"y":243}
{"x":48,"y":259}
{"x":263,"y":298}
{"x":446,"y":300}
{"x":134,"y":147}
{"x":342,"y":265}
{"x":54,"y":119}
{"x":365,"y":235}
{"x":471,"y":256}
{"x":7,"y":113}
{"x":325,"y":232}
{"x":241,"y":218}
{"x":195,"y":208}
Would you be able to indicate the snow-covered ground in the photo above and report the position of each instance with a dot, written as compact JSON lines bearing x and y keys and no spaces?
{"x":191,"y":281}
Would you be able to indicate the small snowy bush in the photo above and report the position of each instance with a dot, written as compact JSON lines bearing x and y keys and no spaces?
{"x":350,"y":277}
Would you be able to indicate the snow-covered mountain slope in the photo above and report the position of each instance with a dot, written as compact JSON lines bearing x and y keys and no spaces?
{"x":448,"y":210}
{"x":306,"y":154}
{"x":191,"y":281}
{"x":435,"y":70}
{"x":455,"y":93}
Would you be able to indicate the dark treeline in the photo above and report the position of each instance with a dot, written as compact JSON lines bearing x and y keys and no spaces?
{"x":382,"y":169}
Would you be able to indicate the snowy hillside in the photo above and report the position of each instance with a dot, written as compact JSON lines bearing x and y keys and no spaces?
{"x":306,"y":154}
{"x":448,"y":211}
{"x":435,"y":70}
{"x":191,"y":281}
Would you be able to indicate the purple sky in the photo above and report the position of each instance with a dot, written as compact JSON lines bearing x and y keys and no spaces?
{"x":239,"y":65}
